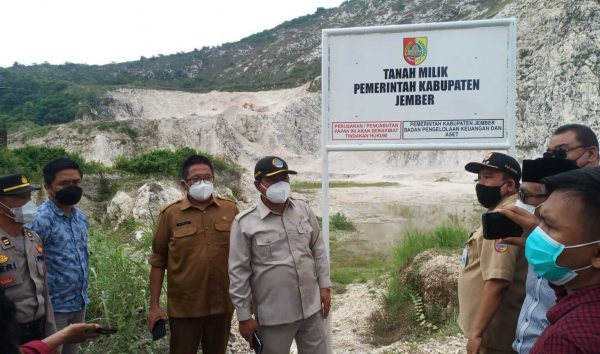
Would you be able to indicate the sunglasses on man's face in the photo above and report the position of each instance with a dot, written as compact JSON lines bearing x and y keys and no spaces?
{"x":560,"y":152}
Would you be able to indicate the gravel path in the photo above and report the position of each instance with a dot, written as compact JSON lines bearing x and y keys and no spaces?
{"x":350,"y":327}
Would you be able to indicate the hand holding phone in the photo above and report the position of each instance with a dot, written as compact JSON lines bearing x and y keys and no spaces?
{"x":106,"y":330}
{"x":256,"y":343}
{"x":496,"y":226}
{"x":159,"y":330}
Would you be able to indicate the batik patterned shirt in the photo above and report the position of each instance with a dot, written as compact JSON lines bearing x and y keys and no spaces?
{"x":66,"y":252}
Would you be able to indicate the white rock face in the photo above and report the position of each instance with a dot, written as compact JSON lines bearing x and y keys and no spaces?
{"x":151,"y":197}
{"x":120,"y":207}
{"x":558,"y":70}
{"x":142,"y":205}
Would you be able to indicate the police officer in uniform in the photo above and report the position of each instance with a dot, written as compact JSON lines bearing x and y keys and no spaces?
{"x":22,"y":268}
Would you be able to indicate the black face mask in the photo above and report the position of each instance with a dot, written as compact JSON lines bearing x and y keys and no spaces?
{"x":488,"y":196}
{"x":70,"y":195}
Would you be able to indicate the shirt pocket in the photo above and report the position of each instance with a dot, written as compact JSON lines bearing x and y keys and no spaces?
{"x":271,"y":246}
{"x":10,"y":278}
{"x":221,"y":236}
{"x":181,"y":233}
{"x":304,"y":231}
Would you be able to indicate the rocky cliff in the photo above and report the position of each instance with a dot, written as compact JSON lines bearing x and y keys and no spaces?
{"x":558,"y":81}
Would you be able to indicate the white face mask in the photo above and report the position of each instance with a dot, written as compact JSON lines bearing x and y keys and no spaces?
{"x":23,"y":214}
{"x":529,"y":208}
{"x":201,"y":191}
{"x":279,"y":192}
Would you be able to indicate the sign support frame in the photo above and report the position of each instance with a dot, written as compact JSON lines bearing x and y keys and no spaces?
{"x":509,"y":146}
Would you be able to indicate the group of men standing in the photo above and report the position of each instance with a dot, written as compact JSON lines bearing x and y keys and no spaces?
{"x":537,"y":293}
{"x":529,"y":294}
{"x":268,"y":262}
{"x":44,"y":252}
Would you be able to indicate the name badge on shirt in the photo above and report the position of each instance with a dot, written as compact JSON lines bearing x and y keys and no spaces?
{"x":463,"y":258}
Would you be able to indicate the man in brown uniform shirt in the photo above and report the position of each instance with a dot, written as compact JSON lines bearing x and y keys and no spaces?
{"x":191,"y":242}
{"x":491,"y":282}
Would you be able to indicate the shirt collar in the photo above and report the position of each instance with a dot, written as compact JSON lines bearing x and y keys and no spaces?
{"x":185,"y":203}
{"x":57,"y":210}
{"x":263,"y":209}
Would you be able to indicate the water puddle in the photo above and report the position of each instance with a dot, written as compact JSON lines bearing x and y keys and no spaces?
{"x":386,"y":224}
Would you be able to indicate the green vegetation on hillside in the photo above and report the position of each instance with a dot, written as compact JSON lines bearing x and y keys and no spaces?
{"x":31,"y":159}
{"x":159,"y":163}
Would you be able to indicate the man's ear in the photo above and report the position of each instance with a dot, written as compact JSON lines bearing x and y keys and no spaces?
{"x":257,"y":185}
{"x":593,"y":155}
{"x":183,"y":184}
{"x":596,"y":258}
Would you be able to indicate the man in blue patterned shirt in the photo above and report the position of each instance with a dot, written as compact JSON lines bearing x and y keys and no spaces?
{"x":63,"y":230}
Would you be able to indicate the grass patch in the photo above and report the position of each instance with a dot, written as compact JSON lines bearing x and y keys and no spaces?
{"x":402,"y":316}
{"x":304,"y":185}
{"x":350,"y":267}
{"x":340,"y":222}
{"x":445,"y":237}
{"x":119,"y":294}
{"x":37,"y":132}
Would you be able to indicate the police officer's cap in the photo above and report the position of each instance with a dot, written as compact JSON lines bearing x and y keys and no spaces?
{"x":499,"y":162}
{"x":269,"y":166}
{"x":16,"y":184}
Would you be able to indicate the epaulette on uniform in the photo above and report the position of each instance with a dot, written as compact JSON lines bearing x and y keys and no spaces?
{"x":170,"y":204}
{"x":297,"y":196}
{"x":224,"y":197}
{"x":245,"y":212}
{"x":31,"y":234}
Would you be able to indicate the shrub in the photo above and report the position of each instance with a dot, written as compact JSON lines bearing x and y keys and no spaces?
{"x":118,"y":290}
{"x":31,"y":159}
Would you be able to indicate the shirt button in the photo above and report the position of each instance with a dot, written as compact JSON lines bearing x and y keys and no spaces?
{"x":527,"y":320}
{"x":536,"y":300}
{"x":539,"y":277}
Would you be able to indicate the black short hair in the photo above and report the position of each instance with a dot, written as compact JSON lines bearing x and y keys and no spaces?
{"x":194,"y":160}
{"x":508,"y":176}
{"x":583,"y":183}
{"x":584,"y":134}
{"x":53,"y":167}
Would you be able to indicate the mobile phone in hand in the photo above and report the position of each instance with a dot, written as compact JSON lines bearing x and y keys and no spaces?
{"x":106,"y":330}
{"x":159,"y":330}
{"x":497,"y":225}
{"x":256,"y":343}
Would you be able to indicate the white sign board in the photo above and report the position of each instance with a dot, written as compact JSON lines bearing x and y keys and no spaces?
{"x":426,"y":86}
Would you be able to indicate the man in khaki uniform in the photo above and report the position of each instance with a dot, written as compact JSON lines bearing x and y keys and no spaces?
{"x":22,"y":267}
{"x":491,"y":282}
{"x":191,"y":242}
{"x":278,"y":267}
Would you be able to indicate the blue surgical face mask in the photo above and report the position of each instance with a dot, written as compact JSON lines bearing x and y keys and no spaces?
{"x":542,"y":251}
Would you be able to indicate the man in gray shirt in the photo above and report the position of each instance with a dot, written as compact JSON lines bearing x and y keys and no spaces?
{"x":278,"y":267}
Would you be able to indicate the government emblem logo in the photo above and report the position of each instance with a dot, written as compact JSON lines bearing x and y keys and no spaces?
{"x":277,"y":163}
{"x":415,"y":50}
{"x":3,"y":259}
{"x":500,"y":246}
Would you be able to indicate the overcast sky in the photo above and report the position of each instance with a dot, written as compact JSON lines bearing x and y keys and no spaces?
{"x":103,"y":31}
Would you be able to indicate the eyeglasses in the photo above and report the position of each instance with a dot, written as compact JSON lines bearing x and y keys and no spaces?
{"x":560,"y":152}
{"x":196,"y":179}
{"x":523,"y":196}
